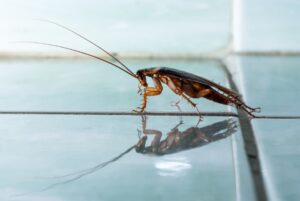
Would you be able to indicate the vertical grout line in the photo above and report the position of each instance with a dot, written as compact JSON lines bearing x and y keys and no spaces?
{"x":237,"y":183}
{"x":235,"y":165}
{"x":236,"y":168}
{"x":250,"y":146}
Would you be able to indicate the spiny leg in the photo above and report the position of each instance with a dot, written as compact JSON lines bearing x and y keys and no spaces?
{"x":250,"y":113}
{"x":179,"y":92}
{"x":241,"y":105}
{"x":176,"y":104}
{"x":150,"y":91}
{"x":194,"y":105}
{"x":191,"y":102}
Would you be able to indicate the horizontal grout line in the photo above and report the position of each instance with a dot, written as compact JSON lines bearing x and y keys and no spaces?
{"x":276,"y":117}
{"x":120,"y":55}
{"x":117,"y":113}
{"x":216,"y":55}
{"x":268,"y":53}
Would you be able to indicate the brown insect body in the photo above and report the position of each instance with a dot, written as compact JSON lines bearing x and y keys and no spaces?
{"x":184,"y":84}
{"x":188,"y":86}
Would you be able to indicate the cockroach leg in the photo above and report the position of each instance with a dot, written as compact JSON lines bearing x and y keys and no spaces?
{"x":176,"y":104}
{"x":150,"y":91}
{"x":179,"y":92}
{"x":191,"y":102}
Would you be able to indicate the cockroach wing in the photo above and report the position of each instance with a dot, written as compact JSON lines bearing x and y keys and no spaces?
{"x":182,"y":75}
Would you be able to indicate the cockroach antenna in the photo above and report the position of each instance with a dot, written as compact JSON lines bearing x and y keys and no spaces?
{"x":91,"y":42}
{"x":78,"y":51}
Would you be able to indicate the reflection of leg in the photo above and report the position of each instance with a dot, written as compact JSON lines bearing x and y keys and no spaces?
{"x":157,"y":134}
{"x":176,"y":127}
{"x":198,"y":122}
{"x":144,"y":124}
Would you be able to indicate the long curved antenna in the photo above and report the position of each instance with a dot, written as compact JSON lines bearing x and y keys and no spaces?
{"x":80,"y":174}
{"x":81,"y":36}
{"x":78,"y":51}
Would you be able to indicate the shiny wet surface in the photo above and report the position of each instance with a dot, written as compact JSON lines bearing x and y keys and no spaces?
{"x":276,"y":89}
{"x":53,"y":157}
{"x":39,"y":152}
{"x":90,"y":85}
{"x":37,"y":149}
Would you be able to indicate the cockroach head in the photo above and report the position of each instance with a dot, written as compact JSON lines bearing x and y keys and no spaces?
{"x":141,"y":77}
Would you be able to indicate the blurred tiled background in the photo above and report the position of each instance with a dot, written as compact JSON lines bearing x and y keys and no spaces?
{"x":259,"y":40}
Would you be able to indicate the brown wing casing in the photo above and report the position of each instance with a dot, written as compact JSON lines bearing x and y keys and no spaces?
{"x":195,"y":87}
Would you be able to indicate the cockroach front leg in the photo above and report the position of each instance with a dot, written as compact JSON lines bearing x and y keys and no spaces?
{"x":150,"y":91}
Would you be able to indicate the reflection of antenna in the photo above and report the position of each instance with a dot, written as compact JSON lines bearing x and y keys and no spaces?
{"x":80,"y":174}
{"x":213,"y":132}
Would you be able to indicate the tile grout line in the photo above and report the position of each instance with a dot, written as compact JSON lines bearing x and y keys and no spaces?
{"x":123,"y":113}
{"x":118,"y":113}
{"x":250,"y":145}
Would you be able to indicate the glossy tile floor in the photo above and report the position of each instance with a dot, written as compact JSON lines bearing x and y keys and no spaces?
{"x":55,"y":157}
{"x":273,"y":83}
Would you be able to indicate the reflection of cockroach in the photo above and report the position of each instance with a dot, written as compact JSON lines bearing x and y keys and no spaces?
{"x":175,"y":141}
{"x":190,"y":138}
{"x":184,"y":84}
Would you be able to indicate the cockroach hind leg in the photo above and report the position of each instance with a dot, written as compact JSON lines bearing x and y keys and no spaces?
{"x":257,"y":109}
{"x":199,"y":113}
{"x":251,"y":116}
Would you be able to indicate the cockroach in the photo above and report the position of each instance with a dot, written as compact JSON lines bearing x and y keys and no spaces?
{"x":184,"y":84}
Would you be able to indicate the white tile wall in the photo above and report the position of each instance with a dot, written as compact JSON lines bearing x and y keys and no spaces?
{"x":124,"y":26}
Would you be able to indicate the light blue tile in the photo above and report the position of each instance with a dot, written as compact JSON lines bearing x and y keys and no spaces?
{"x":91,"y":85}
{"x":278,"y":142}
{"x":35,"y":148}
{"x":272,"y":84}
{"x":245,"y":189}
{"x":120,"y":26}
{"x":270,"y":25}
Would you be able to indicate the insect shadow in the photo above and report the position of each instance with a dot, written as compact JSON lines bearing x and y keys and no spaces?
{"x":175,"y":141}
